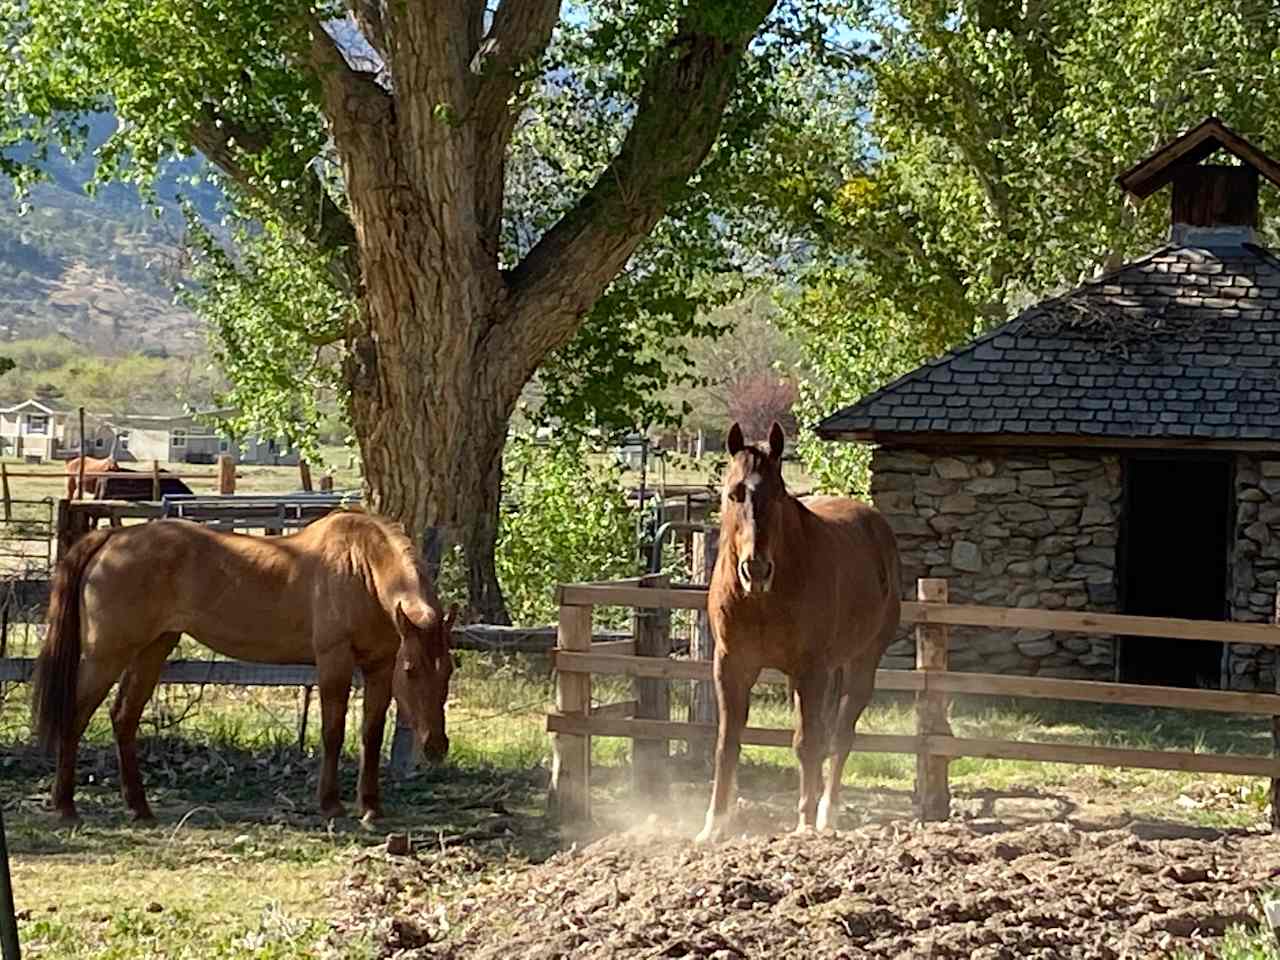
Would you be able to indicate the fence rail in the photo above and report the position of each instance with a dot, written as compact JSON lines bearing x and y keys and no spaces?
{"x":577,"y":659}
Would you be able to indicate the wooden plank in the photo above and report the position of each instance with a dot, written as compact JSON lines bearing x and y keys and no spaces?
{"x":933,"y":791}
{"x":623,"y":708}
{"x":213,"y":672}
{"x":608,"y":595}
{"x":614,"y":726}
{"x":619,"y":648}
{"x":620,"y":666}
{"x":1095,"y":691}
{"x":1066,"y":621}
{"x":651,"y":759}
{"x":1245,"y":766}
{"x":569,"y":797}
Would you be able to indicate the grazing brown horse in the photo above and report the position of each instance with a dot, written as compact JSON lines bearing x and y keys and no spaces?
{"x":808,"y":587}
{"x":345,"y":592}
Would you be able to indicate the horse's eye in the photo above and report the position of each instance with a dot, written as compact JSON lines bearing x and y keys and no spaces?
{"x":738,"y":493}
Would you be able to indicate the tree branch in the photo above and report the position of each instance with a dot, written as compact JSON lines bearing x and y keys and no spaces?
{"x":308,"y":206}
{"x":676,"y":124}
{"x":499,"y":66}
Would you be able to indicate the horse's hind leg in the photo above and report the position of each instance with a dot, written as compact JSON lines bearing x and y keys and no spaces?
{"x":811,"y":742}
{"x":136,"y":687}
{"x":93,"y":680}
{"x":859,"y":685}
{"x":377,"y":698}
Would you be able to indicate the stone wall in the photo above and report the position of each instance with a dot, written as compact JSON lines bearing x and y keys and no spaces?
{"x":1012,"y":529}
{"x":1255,"y":568}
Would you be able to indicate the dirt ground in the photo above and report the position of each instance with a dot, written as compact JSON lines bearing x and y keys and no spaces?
{"x":1022,"y":877}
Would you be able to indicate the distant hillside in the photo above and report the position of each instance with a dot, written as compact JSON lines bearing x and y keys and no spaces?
{"x":99,"y":269}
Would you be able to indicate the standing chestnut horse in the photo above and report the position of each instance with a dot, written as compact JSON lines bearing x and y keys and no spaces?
{"x":92,"y":467}
{"x":346,"y":592}
{"x":808,"y":587}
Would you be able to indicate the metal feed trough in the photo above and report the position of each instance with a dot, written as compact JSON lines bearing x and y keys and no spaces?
{"x":270,"y":512}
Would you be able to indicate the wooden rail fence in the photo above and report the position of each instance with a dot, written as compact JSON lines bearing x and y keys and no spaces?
{"x":646,"y":720}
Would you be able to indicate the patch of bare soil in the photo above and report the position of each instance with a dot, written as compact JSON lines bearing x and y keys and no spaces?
{"x":960,"y":889}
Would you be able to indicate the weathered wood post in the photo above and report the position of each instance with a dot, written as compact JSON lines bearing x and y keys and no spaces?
{"x":569,"y":798}
{"x":80,"y":478}
{"x":12,"y":950}
{"x":155,"y":481}
{"x":326,"y":483}
{"x":1275,"y":727}
{"x":433,"y":543}
{"x":702,"y":696}
{"x":226,"y":474}
{"x":8,"y":500}
{"x":933,"y":792}
{"x":651,"y":759}
{"x":304,"y":475}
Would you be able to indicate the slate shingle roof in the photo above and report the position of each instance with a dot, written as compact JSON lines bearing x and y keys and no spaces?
{"x":1182,"y":344}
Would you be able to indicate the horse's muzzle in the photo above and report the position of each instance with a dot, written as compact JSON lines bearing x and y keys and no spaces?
{"x":435,"y":750}
{"x":756,"y":574}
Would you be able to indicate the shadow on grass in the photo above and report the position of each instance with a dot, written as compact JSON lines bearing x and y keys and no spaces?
{"x":199,"y":787}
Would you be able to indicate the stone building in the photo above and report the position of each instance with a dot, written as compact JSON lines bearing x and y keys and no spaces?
{"x":1114,"y":449}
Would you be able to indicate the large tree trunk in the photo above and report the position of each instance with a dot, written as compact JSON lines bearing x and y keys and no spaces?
{"x":445,"y":340}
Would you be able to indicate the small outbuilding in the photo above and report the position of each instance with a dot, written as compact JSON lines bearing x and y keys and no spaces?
{"x":1113,"y":449}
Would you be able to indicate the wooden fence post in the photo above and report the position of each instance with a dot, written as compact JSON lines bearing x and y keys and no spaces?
{"x":569,"y":799}
{"x":326,"y":483}
{"x":155,"y":481}
{"x":650,"y":759}
{"x":226,"y":474}
{"x":401,"y":760}
{"x":702,"y":696}
{"x":80,"y":478}
{"x":933,"y":792}
{"x":8,"y":501}
{"x":304,"y":475}
{"x":1275,"y":728}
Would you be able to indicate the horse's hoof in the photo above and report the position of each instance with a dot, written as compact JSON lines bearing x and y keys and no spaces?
{"x":143,"y":816}
{"x":706,"y":835}
{"x":371,"y":815}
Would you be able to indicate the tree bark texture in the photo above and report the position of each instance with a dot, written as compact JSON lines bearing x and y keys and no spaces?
{"x":445,"y":340}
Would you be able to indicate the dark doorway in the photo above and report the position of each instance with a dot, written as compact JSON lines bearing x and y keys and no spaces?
{"x":1175,"y":540}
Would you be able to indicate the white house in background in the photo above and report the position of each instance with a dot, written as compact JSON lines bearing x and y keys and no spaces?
{"x":182,"y":438}
{"x":34,"y":429}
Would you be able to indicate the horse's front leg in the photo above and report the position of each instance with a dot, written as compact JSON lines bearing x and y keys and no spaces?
{"x":733,"y":681}
{"x":377,"y":698}
{"x":334,"y":668}
{"x":810,"y":743}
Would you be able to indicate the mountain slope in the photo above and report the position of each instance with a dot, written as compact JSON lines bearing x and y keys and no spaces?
{"x":100,"y":269}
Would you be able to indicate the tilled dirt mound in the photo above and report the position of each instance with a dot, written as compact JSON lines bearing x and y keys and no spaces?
{"x":904,"y":890}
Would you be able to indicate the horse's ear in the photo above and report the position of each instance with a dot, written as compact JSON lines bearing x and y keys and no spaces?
{"x":734,"y":443}
{"x":776,"y":441}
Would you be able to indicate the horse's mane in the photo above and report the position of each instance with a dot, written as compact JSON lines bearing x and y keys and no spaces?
{"x":380,"y":552}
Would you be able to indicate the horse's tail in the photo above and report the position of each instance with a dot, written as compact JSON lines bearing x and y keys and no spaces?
{"x":57,"y":666}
